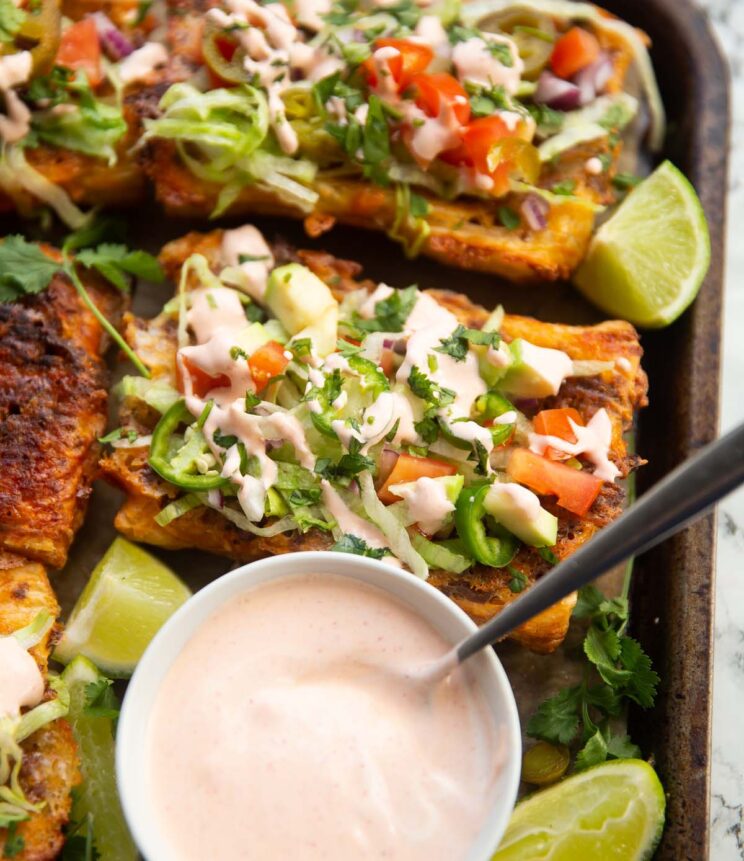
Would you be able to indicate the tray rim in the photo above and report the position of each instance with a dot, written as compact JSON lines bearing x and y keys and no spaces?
{"x":681,"y":740}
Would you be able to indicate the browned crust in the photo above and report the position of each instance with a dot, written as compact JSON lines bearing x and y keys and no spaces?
{"x":52,"y":410}
{"x":50,"y":765}
{"x":481,"y":591}
{"x":465,"y":233}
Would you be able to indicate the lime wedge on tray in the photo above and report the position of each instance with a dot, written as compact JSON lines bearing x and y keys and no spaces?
{"x":97,"y":803}
{"x":126,"y":601}
{"x":612,"y":812}
{"x":647,"y":262}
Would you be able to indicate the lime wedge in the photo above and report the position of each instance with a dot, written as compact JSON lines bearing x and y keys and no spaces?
{"x":127,"y":599}
{"x":96,"y":804}
{"x":613,"y":812}
{"x":647,"y":262}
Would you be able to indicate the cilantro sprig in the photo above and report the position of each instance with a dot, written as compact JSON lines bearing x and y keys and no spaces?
{"x":456,"y":345}
{"x":622,"y":671}
{"x":26,"y":270}
{"x":358,"y":546}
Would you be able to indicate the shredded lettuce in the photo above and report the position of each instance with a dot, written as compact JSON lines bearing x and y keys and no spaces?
{"x":439,"y":557}
{"x":158,"y":394}
{"x":17,"y":176}
{"x":177,"y":508}
{"x":14,"y":806}
{"x":596,"y":120}
{"x":391,"y":528}
{"x":91,"y":127}
{"x":35,"y":632}
{"x":218,"y":135}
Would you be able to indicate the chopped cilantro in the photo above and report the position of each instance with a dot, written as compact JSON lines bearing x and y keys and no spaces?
{"x":567,"y":187}
{"x":428,"y":390}
{"x":456,"y":345}
{"x":625,"y":181}
{"x":251,"y":400}
{"x":419,"y":205}
{"x":509,"y":218}
{"x":548,"y":555}
{"x":518,"y":579}
{"x":624,"y":671}
{"x":24,"y":269}
{"x":117,"y":434}
{"x":100,"y":700}
{"x":391,"y":313}
{"x":358,"y":546}
{"x":548,"y":120}
{"x":224,"y":441}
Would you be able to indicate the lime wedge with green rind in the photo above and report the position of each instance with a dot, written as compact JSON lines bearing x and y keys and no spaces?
{"x":96,"y":803}
{"x":612,"y":812}
{"x":647,"y":262}
{"x":128,"y":598}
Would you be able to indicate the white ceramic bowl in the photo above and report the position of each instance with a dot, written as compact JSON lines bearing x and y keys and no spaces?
{"x":445,"y":616}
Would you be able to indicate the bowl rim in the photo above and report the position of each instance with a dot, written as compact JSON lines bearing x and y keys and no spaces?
{"x":424,"y":599}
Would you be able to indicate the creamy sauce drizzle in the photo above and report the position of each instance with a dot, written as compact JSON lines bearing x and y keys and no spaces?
{"x":14,"y":70}
{"x":21,"y":681}
{"x":592,"y":441}
{"x":427,"y":502}
{"x":318,"y":746}
{"x":142,"y":62}
{"x":243,"y":242}
{"x":476,"y":62}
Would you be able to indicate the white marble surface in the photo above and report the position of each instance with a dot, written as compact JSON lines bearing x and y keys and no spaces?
{"x":727,"y":802}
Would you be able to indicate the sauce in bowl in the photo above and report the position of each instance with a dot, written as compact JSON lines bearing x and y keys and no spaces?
{"x":286,"y":728}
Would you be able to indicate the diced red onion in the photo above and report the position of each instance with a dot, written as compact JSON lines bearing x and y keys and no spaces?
{"x":400,"y":347}
{"x":535,"y":210}
{"x":388,"y":459}
{"x":557,"y":93}
{"x":388,"y":343}
{"x":215,"y":498}
{"x":115,"y":44}
{"x":528,"y":406}
{"x":592,"y":79}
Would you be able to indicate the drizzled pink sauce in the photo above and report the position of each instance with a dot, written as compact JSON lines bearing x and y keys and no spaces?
{"x":287,"y":729}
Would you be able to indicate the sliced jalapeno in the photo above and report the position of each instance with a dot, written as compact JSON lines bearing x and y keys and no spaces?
{"x":161,"y":461}
{"x":40,"y":34}
{"x":223,"y":54}
{"x":486,"y":549}
{"x":491,"y":406}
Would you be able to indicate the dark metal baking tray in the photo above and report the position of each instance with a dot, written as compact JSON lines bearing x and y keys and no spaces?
{"x":673,"y":589}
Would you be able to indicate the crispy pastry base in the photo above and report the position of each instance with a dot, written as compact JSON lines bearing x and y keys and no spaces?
{"x":482,"y":591}
{"x":50,"y":764}
{"x":52,"y":410}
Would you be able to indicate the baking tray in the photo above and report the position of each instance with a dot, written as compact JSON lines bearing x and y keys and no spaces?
{"x":672,"y":592}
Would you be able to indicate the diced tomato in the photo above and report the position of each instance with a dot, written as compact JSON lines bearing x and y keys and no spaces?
{"x":433,"y":92}
{"x":556,"y":423}
{"x":266,"y":362}
{"x":407,"y":468}
{"x":576,"y":490}
{"x":80,"y":48}
{"x":411,"y":59}
{"x":575,"y":50}
{"x":201,"y":381}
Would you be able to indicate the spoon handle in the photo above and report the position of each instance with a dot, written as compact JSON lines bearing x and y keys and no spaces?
{"x":684,"y":495}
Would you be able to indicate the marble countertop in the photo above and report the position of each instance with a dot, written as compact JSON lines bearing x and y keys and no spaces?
{"x":727,"y":801}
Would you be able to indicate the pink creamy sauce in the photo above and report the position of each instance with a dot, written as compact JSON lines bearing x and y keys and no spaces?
{"x":285,"y":729}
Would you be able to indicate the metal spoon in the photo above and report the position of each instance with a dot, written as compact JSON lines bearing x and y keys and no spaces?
{"x":683,"y":496}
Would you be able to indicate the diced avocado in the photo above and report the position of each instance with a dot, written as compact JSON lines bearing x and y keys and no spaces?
{"x":297,"y":297}
{"x":323,"y":332}
{"x":274,"y":505}
{"x":519,"y":510}
{"x":493,"y":368}
{"x":251,"y":338}
{"x":276,"y":331}
{"x":536,"y":372}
